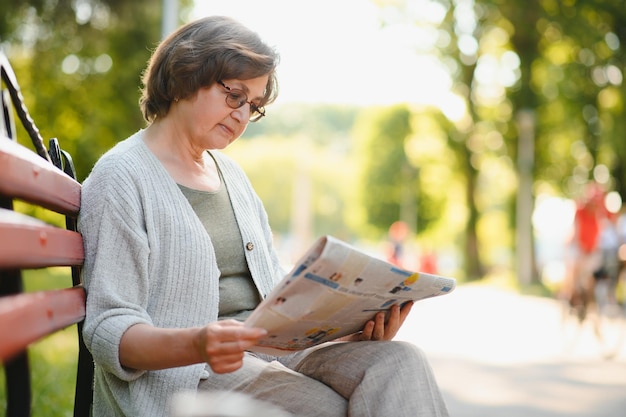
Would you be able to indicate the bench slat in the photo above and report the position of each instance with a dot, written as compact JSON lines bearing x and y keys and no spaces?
{"x":26,"y":242}
{"x":27,"y":317}
{"x":27,"y":176}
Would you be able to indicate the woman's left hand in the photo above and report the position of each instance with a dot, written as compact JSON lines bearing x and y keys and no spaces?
{"x":378,"y":329}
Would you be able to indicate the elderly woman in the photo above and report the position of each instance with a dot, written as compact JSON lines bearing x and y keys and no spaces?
{"x":179,"y":251}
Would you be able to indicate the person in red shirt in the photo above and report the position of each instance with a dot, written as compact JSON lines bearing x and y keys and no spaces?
{"x":590,"y":213}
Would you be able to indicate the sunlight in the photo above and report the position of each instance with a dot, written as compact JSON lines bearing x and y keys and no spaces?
{"x":553,"y":217}
{"x":553,"y":222}
{"x":337,"y":53}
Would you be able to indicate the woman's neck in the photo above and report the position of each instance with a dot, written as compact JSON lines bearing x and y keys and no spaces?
{"x":188,"y":165}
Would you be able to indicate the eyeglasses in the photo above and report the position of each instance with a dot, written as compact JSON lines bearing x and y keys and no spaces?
{"x":236,"y":98}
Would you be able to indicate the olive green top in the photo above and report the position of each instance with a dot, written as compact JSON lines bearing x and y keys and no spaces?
{"x":238,"y":294}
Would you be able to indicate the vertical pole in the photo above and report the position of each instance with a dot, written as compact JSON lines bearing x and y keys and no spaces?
{"x":525,"y":164}
{"x":169,"y":21}
{"x":408,"y":203}
{"x":301,"y":209}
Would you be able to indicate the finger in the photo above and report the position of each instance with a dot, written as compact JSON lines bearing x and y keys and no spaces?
{"x":237,"y":327}
{"x":226,"y":333}
{"x":230,"y":325}
{"x":229,"y":347}
{"x":366,"y":334}
{"x":231,"y":340}
{"x":393,"y":323}
{"x":405,"y":310}
{"x":379,"y":326}
{"x":226,"y":363}
{"x":227,"y":368}
{"x":251,"y":333}
{"x":394,"y":315}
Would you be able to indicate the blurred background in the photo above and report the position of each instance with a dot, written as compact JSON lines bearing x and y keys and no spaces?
{"x":450,"y":136}
{"x":477,"y":124}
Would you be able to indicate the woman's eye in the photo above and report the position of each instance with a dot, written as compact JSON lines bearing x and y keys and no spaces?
{"x":238,"y":97}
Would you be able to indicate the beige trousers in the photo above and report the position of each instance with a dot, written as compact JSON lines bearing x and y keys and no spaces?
{"x":356,"y":379}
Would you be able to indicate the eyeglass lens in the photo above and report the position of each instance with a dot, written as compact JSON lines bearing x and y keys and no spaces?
{"x":236,"y":98}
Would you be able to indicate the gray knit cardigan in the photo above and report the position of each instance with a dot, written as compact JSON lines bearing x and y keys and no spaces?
{"x":148,"y":259}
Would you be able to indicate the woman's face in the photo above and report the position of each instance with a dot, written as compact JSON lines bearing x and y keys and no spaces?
{"x":209,"y":122}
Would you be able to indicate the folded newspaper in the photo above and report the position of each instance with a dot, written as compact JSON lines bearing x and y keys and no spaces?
{"x":331,"y":292}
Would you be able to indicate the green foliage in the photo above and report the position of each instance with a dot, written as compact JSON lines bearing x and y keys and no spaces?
{"x":386,"y":172}
{"x":53,"y":363}
{"x":299,"y":181}
{"x":404,"y":168}
{"x":366,"y":168}
{"x":299,"y":160}
{"x":322,"y":124}
{"x":79,"y":66}
{"x":572,"y":59}
{"x":52,"y":360}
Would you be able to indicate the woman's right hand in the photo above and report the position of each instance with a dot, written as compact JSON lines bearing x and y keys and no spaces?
{"x":222,"y":344}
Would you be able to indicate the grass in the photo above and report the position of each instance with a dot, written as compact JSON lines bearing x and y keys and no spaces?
{"x":52,"y":360}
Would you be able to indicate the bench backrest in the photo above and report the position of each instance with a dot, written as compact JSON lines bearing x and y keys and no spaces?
{"x":44,"y":178}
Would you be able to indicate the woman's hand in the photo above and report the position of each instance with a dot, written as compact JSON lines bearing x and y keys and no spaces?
{"x":222,"y":344}
{"x":377,"y":329}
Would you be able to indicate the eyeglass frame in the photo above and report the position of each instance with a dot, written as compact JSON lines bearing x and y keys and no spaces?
{"x":241,"y":98}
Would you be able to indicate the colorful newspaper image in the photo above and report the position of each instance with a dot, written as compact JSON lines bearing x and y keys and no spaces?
{"x":331,"y":292}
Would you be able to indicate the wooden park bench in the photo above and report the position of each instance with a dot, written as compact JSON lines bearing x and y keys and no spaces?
{"x":44,"y":178}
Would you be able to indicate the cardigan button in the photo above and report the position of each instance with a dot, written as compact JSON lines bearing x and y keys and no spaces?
{"x":249,"y":245}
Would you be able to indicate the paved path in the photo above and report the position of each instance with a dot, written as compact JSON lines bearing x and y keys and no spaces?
{"x":496,"y":353}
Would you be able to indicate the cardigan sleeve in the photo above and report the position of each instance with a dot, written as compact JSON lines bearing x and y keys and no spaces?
{"x":115,"y":271}
{"x":148,"y":260}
